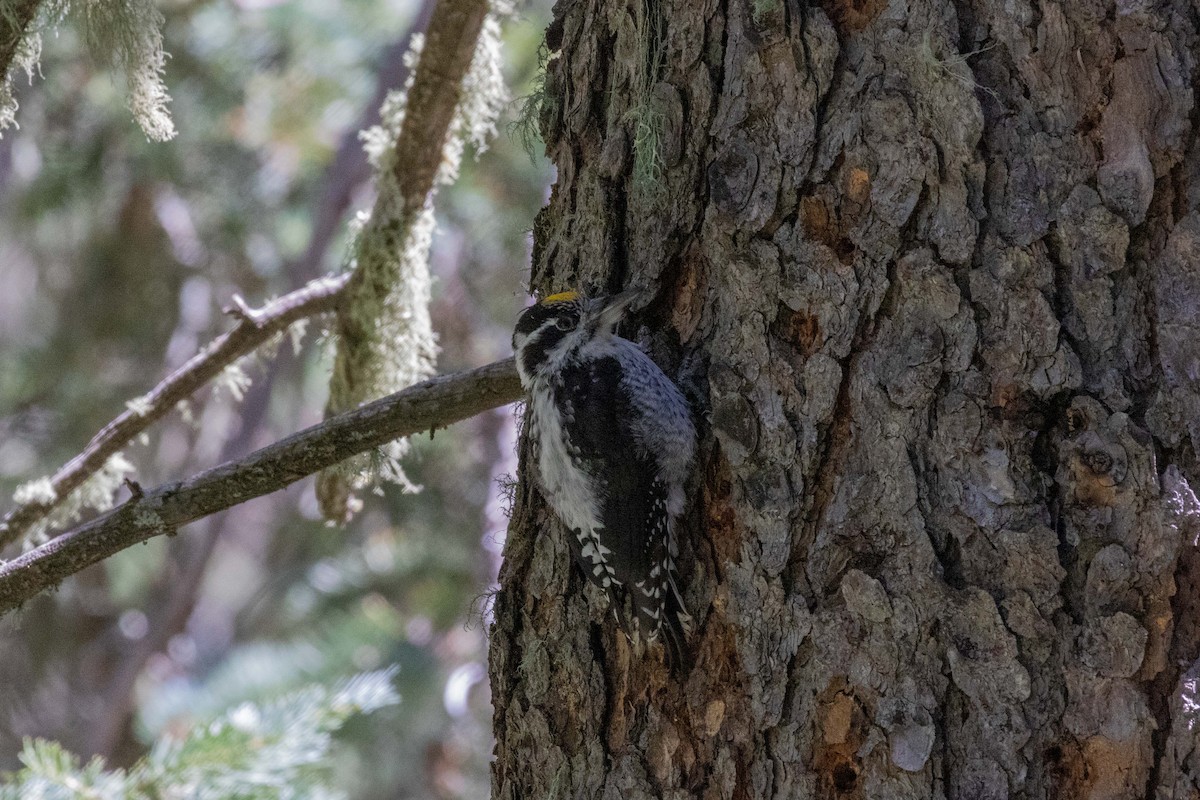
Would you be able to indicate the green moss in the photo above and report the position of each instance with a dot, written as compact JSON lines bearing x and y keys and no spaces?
{"x":954,"y":67}
{"x":536,"y":108}
{"x":128,"y":34}
{"x":646,"y":116}
{"x":764,"y":8}
{"x":648,"y":166}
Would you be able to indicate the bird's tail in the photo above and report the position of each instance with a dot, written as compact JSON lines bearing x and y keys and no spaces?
{"x":659,"y":613}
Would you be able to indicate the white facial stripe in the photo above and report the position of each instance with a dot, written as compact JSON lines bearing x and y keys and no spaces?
{"x":550,"y":359}
{"x":522,"y":341}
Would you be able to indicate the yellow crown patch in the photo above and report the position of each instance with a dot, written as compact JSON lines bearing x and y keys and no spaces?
{"x":562,"y":297}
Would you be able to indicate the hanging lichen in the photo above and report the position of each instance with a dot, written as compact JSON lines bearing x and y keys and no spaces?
{"x":25,"y":59}
{"x":97,"y":493}
{"x":125,"y":34}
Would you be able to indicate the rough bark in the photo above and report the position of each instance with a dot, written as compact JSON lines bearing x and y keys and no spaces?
{"x":930,"y":271}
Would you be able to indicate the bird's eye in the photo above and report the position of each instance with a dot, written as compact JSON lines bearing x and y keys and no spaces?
{"x":565,"y":323}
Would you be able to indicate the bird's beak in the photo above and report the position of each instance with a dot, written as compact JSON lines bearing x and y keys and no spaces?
{"x":610,"y":310}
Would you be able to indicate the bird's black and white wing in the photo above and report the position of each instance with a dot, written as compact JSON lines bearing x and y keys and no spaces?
{"x":632,"y":546}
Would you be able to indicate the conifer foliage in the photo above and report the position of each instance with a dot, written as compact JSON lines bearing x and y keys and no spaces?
{"x":254,"y":751}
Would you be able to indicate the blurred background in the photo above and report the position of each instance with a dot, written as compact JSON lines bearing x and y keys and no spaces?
{"x":116,"y":257}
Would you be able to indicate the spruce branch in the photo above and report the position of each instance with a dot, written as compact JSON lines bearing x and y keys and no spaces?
{"x":272,"y":749}
{"x":432,"y":404}
{"x":254,"y":328}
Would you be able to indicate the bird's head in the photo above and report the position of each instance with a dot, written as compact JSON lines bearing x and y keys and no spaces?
{"x":560,"y":324}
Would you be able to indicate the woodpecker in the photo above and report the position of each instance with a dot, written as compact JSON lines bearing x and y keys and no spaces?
{"x":614,"y":444}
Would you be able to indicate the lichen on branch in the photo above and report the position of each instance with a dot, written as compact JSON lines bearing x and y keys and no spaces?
{"x":163,"y":509}
{"x":90,"y":479}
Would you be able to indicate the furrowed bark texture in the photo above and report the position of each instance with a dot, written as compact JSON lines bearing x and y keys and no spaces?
{"x":931,"y":271}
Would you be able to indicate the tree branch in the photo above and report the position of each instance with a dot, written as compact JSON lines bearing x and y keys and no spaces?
{"x":432,"y":404}
{"x":349,"y":167}
{"x":450,"y":42}
{"x":174,"y":595}
{"x":254,"y":327}
{"x":437,"y":87}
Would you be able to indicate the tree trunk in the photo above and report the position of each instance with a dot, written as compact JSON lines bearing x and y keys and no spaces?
{"x":930,"y":273}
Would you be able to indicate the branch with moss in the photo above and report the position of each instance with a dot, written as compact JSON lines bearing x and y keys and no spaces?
{"x":254,"y":328}
{"x":433,"y":100}
{"x":349,"y":168}
{"x":426,"y":406}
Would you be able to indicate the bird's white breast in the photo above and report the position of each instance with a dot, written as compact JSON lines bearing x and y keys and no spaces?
{"x":566,"y":486}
